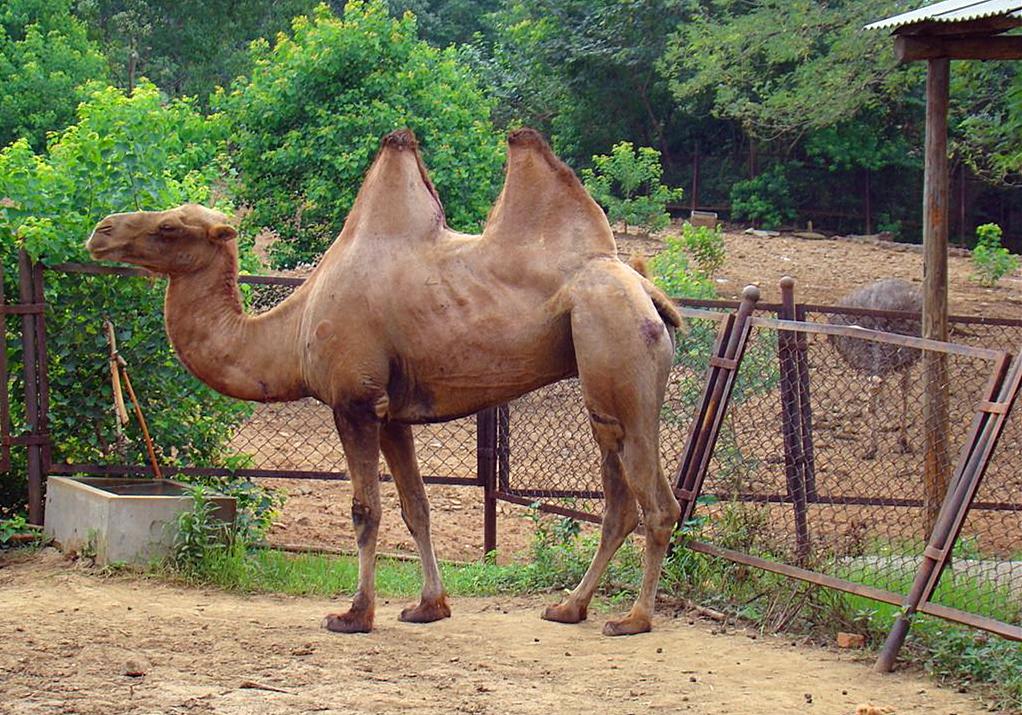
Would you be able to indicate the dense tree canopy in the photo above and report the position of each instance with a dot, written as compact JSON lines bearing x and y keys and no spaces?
{"x":187,"y":47}
{"x":306,"y":125}
{"x":45,"y":58}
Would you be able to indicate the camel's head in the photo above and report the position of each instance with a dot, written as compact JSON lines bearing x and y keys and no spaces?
{"x":181,"y":240}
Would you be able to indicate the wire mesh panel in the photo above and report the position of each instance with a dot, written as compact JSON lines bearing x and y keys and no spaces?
{"x":984,"y":575}
{"x":835,"y":484}
{"x":552,"y":455}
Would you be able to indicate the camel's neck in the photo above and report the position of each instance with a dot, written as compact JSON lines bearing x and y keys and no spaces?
{"x":251,"y":358}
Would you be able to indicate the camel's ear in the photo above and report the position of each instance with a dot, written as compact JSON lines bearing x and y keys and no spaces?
{"x":221,"y":233}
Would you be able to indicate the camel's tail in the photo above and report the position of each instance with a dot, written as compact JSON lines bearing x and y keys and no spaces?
{"x":664,"y":305}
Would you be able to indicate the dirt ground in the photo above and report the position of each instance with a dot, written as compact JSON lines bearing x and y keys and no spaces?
{"x":827,"y":269}
{"x":71,"y":637}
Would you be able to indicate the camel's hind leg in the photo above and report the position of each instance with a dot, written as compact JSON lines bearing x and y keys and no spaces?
{"x":399,"y":450}
{"x":624,"y":354}
{"x":660,"y":512}
{"x":619,"y":520}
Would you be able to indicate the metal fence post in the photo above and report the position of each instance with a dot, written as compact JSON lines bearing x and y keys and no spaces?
{"x":791,"y":422}
{"x":5,"y":405}
{"x":42,"y":373}
{"x":486,"y":461}
{"x":805,"y":408}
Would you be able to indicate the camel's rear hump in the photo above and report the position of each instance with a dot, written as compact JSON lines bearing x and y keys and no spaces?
{"x":544,"y":202}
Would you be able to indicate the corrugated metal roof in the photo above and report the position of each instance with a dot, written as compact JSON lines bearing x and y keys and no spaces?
{"x":953,"y":11}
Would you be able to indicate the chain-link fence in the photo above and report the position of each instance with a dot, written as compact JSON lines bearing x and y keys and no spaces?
{"x":855,"y":506}
{"x":812,"y":446}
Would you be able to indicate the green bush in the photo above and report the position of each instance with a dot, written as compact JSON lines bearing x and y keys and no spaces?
{"x":125,"y":153}
{"x":990,"y":260}
{"x":705,"y":245}
{"x":765,"y":200}
{"x":307,"y":124}
{"x":673,"y":272}
{"x":627,"y":184}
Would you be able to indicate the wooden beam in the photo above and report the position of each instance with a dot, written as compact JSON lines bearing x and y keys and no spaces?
{"x":936,"y":200}
{"x":911,"y":49}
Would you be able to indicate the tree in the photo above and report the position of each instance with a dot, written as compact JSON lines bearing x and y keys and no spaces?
{"x":447,"y":22}
{"x":986,"y":118}
{"x":126,"y":152}
{"x":781,"y":67}
{"x":187,"y":47}
{"x":627,"y":184}
{"x":585,"y":70}
{"x":45,"y":58}
{"x":306,"y":126}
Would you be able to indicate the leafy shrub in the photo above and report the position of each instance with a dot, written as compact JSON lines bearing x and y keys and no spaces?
{"x":990,"y":260}
{"x":705,"y":245}
{"x":45,"y":57}
{"x":198,"y":532}
{"x":765,"y":200}
{"x":12,"y":527}
{"x":672,"y":271}
{"x":306,"y":126}
{"x":627,"y":184}
{"x":125,"y":153}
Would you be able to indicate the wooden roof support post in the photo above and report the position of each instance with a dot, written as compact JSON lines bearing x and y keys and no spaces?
{"x":936,"y":211}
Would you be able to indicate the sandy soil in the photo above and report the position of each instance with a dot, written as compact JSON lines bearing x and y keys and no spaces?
{"x":827,"y":269}
{"x":76,"y":635}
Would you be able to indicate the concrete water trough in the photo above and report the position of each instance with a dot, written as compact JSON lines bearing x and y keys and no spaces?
{"x":120,"y":520}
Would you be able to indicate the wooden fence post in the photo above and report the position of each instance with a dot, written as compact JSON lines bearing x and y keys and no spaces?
{"x":27,"y":294}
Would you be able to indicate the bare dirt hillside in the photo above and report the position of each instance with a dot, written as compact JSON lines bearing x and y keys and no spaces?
{"x":75,"y":642}
{"x":827,"y":269}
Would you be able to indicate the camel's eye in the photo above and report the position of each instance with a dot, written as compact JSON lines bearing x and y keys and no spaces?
{"x":166,"y":227}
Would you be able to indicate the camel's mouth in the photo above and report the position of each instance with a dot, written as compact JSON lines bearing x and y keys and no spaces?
{"x":101,"y":252}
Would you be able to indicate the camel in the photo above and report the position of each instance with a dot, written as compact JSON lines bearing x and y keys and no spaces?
{"x":405,"y":321}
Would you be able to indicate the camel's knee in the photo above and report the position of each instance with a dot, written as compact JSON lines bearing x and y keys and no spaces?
{"x":608,"y":431}
{"x":621,"y":521}
{"x":366,"y":520}
{"x":415,"y":514}
{"x":662,"y":516}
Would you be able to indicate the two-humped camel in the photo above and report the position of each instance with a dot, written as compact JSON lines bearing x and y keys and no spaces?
{"x":405,"y":321}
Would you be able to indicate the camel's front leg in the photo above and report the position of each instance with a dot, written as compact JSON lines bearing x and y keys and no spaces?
{"x":399,"y":450}
{"x":360,"y":438}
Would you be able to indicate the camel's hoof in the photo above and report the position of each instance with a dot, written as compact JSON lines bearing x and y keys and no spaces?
{"x":427,"y":611}
{"x":566,"y":612}
{"x":627,"y":626}
{"x":350,"y":622}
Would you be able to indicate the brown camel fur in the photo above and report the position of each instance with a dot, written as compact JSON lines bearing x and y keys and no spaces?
{"x":405,"y":321}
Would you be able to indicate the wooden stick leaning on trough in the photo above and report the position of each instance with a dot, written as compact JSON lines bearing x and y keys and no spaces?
{"x":119,"y":367}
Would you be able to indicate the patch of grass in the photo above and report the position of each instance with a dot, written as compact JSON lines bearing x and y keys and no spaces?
{"x":235,"y":567}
